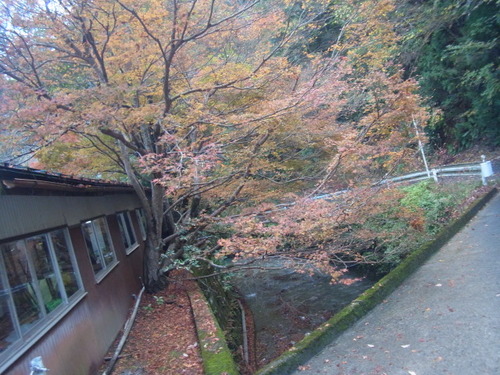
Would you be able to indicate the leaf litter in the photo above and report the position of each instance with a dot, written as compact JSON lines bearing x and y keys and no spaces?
{"x":163,"y":339}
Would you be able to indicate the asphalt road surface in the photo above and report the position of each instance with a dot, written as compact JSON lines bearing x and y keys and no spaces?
{"x":444,"y":319}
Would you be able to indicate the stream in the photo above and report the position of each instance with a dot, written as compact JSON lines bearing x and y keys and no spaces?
{"x":286,"y":305}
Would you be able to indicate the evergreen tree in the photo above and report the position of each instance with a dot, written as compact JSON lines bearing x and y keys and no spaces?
{"x":456,"y":61}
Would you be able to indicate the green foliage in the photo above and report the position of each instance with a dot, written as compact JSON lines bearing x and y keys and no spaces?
{"x":417,"y":214}
{"x":458,"y":70}
{"x":188,"y":261}
{"x":434,"y":204}
{"x":159,"y":300}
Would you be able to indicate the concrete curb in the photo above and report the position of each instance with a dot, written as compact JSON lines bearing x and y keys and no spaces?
{"x":328,"y":331}
{"x":216,"y":356}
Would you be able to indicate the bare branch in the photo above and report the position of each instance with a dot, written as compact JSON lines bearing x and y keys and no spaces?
{"x":120,"y":137}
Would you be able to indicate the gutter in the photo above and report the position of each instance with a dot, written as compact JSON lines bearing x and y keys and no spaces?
{"x":59,"y":186}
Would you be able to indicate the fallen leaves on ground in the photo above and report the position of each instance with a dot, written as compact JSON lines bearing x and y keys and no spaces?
{"x":163,"y":339}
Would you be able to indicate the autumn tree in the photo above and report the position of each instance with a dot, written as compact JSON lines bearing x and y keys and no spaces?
{"x":198,"y":102}
{"x":190,"y":92}
{"x":373,"y":137}
{"x":380,"y":103}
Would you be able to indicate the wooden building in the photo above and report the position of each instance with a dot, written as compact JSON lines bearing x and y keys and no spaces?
{"x":71,"y":256}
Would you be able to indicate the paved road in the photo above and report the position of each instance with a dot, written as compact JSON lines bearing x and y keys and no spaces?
{"x":444,"y":319}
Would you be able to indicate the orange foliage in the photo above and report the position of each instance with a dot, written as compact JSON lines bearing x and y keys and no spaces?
{"x":199,"y":101}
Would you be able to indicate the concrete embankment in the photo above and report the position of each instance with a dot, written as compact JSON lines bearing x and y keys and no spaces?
{"x":443,"y":316}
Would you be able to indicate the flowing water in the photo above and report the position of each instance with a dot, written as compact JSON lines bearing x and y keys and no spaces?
{"x":286,"y":305}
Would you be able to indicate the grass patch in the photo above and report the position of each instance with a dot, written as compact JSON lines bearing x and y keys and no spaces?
{"x":399,"y":220}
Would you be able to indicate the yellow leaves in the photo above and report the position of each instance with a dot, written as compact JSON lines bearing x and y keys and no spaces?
{"x":370,"y":37}
{"x":76,"y":156}
{"x":146,"y":114}
{"x":217,"y":74}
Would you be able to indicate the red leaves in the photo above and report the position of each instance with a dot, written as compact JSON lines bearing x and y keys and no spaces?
{"x":163,"y":340}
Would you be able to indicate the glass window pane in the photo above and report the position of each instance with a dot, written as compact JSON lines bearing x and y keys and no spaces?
{"x":123,"y":230}
{"x":38,"y":249}
{"x":8,"y":333}
{"x":101,"y":230}
{"x":130,"y":229}
{"x":21,"y":284}
{"x":142,"y":221}
{"x":92,"y":246}
{"x":64,"y":261}
{"x":99,"y":244}
{"x":126,"y":230}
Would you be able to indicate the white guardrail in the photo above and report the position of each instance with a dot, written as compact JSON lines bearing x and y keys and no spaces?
{"x":483,"y":169}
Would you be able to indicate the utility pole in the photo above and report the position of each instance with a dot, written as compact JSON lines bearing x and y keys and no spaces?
{"x":421,"y":147}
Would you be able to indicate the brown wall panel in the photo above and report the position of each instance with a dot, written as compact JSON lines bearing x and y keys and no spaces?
{"x":77,"y":344}
{"x":24,"y":213}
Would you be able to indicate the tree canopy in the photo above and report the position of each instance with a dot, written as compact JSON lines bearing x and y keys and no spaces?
{"x":206,"y":106}
{"x":452,"y":47}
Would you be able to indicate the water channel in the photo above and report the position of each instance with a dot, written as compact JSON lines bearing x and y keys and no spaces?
{"x":286,"y":305}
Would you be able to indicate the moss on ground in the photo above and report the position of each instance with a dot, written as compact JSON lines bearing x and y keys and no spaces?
{"x":216,"y":356}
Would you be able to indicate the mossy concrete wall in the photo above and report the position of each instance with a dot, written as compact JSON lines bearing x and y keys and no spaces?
{"x":224,"y":304}
{"x":327,"y":332}
{"x":216,"y":356}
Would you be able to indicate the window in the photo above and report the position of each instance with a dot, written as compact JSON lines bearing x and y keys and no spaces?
{"x":141,"y":219}
{"x":38,"y":279}
{"x":127,"y":231}
{"x":100,"y":249}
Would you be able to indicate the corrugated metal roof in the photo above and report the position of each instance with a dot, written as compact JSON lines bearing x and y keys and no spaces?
{"x":27,"y":180}
{"x":12,"y":172}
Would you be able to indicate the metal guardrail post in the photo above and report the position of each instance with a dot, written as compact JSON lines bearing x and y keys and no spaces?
{"x":435,"y":175}
{"x":421,"y":147}
{"x":486,"y":170}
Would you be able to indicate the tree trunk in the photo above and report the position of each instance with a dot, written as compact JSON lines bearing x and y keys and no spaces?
{"x":153,"y":279}
{"x":152,"y":203}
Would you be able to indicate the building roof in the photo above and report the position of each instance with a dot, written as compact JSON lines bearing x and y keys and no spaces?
{"x":24,"y":179}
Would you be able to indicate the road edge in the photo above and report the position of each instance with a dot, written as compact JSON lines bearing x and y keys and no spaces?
{"x":340,"y":322}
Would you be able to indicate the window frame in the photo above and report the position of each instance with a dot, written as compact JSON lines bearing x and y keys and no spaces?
{"x":124,"y":231}
{"x":108,"y":267}
{"x":25,"y":338}
{"x":141,"y":219}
